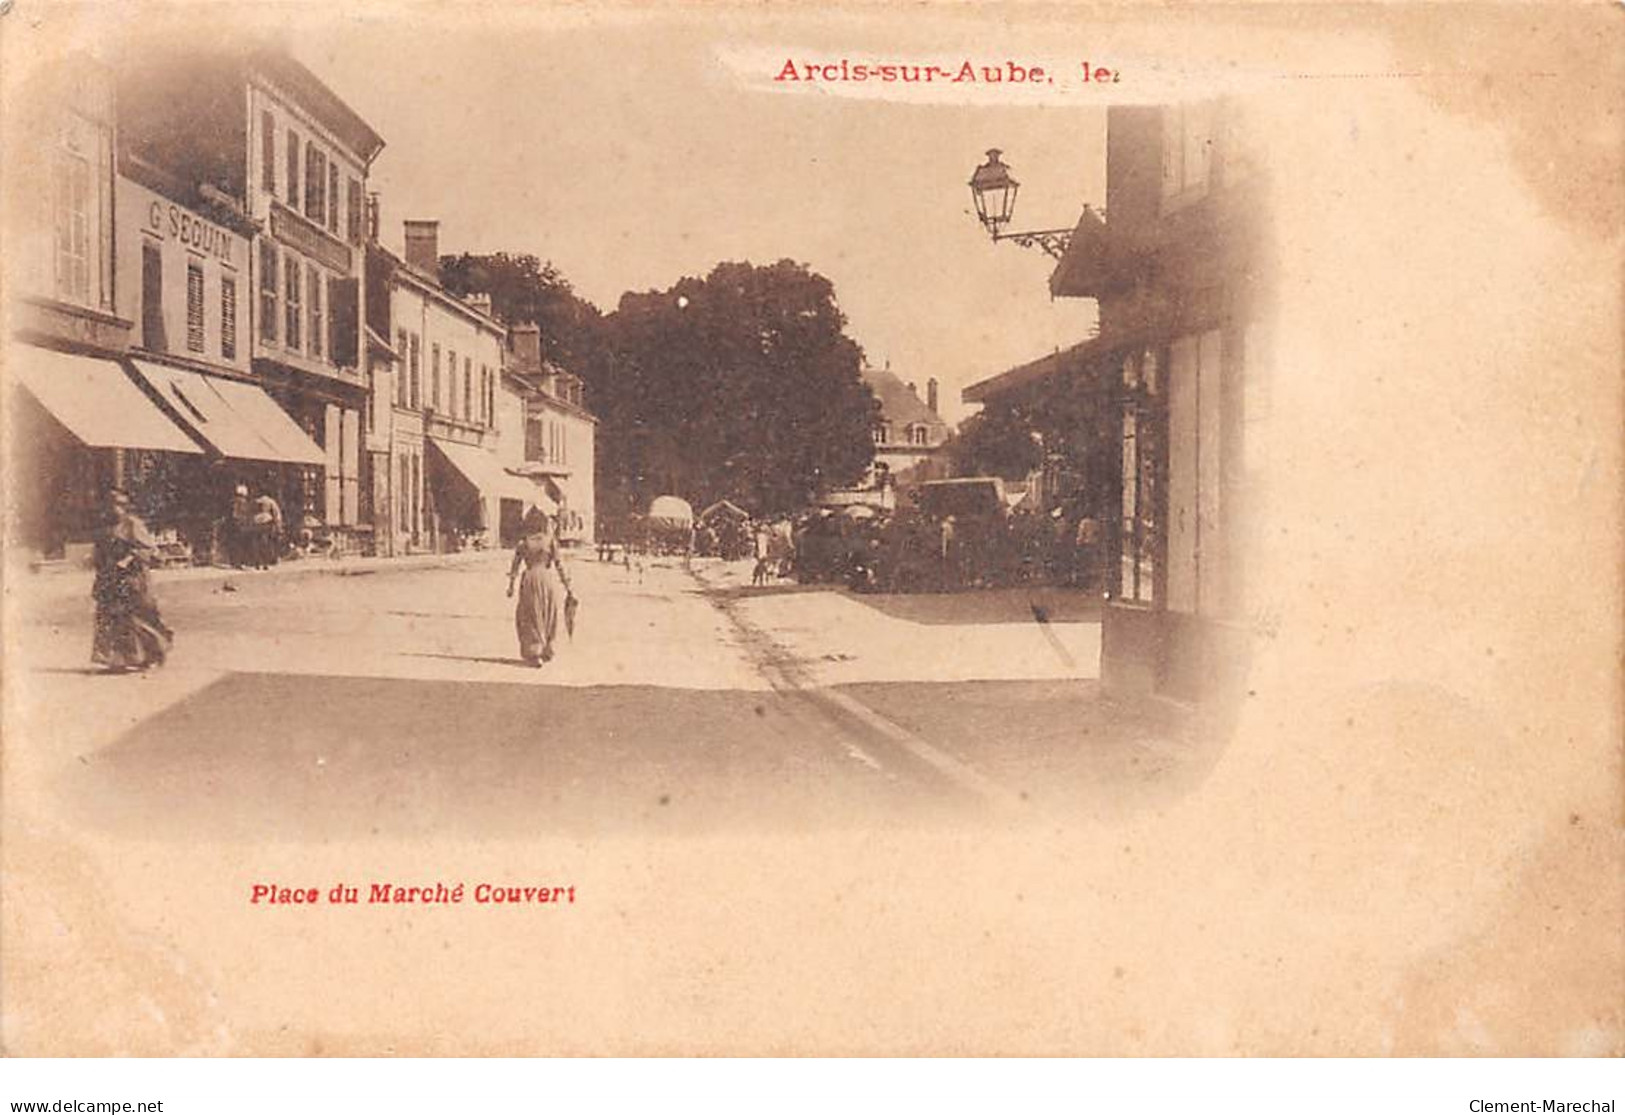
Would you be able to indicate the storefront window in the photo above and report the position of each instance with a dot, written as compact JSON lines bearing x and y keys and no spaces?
{"x":228,"y":317}
{"x":293,"y":169}
{"x":295,"y":314}
{"x":72,"y":225}
{"x":194,"y":308}
{"x":332,"y":197}
{"x":434,"y":376}
{"x":1138,"y":541}
{"x":318,"y":322}
{"x":315,"y":184}
{"x":270,"y":269}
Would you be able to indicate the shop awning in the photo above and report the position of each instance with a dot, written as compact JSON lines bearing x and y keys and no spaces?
{"x":239,"y":419}
{"x":97,"y":402}
{"x":482,"y":469}
{"x":537,"y":468}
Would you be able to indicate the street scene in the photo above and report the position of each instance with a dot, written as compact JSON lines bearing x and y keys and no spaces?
{"x":924,"y":567}
{"x":401,"y":689}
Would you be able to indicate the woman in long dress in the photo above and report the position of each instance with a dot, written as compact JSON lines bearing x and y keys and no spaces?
{"x":536,"y":614}
{"x":130,"y":634}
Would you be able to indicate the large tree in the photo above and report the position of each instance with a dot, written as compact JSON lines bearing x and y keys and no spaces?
{"x":740,"y":385}
{"x":525,"y":289}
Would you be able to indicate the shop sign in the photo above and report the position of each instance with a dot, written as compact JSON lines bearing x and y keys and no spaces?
{"x":308,"y":240}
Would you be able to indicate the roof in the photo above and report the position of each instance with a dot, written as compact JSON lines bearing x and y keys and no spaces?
{"x":899,"y":405}
{"x":409,"y":275}
{"x":1032,"y":372}
{"x":725,"y":505}
{"x":319,"y":100}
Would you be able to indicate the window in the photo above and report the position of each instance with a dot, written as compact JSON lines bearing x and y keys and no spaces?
{"x":400,"y":368}
{"x":295,"y":321}
{"x":416,"y":379}
{"x":228,"y":317}
{"x":152,"y":299}
{"x":293,"y":168}
{"x":434,"y":377}
{"x":468,"y":389}
{"x":417,"y":504}
{"x":372,"y":407}
{"x":194,"y":307}
{"x":268,"y":153}
{"x":71,"y":214}
{"x":355,"y":211}
{"x":1187,"y":153}
{"x":1138,"y":542}
{"x":315,"y":184}
{"x":403,"y":499}
{"x":451,"y":383}
{"x":318,"y":324}
{"x":332,"y":197}
{"x":485,"y":395}
{"x":270,"y":268}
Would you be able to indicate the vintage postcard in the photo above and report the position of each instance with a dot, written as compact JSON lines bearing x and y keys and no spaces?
{"x":549,"y":529}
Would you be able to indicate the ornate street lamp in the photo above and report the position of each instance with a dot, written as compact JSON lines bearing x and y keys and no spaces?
{"x":993,"y":188}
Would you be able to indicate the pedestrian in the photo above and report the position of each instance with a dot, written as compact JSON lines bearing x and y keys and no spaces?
{"x":240,"y":529}
{"x":129,"y":632}
{"x":267,"y":530}
{"x":1085,"y":552}
{"x":536,"y":615}
{"x":758,"y":576}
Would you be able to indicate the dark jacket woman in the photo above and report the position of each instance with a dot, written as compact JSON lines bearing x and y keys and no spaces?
{"x":130,"y":634}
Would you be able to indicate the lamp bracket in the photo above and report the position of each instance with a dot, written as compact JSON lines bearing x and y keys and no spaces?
{"x":1052,"y":240}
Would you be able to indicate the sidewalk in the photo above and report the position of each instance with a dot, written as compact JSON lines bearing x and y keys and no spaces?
{"x":837,"y":637}
{"x":56,"y":582}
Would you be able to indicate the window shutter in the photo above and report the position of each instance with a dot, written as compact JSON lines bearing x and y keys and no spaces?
{"x":344,"y":310}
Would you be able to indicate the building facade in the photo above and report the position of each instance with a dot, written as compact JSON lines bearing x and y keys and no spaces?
{"x":432,"y":426}
{"x":133,"y":284}
{"x":1175,"y":264}
{"x":909,"y":433}
{"x":77,"y":418}
{"x":253,"y":131}
{"x":558,"y":451}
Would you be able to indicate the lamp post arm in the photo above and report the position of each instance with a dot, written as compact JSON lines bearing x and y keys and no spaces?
{"x":1052,"y":240}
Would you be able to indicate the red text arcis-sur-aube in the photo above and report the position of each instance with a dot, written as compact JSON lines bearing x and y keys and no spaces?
{"x":392,"y":894}
{"x":967,"y":72}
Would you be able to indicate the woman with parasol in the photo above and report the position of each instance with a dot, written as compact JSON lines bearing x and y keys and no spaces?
{"x":536,"y":614}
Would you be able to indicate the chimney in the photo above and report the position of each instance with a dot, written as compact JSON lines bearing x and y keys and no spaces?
{"x":527,"y":344}
{"x":480,"y":301}
{"x":423,"y":247}
{"x":912,"y":390}
{"x":931,"y":394}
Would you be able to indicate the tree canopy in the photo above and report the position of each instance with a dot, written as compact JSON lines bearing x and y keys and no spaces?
{"x":525,"y":289}
{"x":740,"y":385}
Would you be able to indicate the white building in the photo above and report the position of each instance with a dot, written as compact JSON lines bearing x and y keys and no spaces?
{"x":559,"y":446}
{"x":433,"y":420}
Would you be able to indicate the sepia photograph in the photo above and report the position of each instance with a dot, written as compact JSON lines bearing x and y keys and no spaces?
{"x":634,"y":530}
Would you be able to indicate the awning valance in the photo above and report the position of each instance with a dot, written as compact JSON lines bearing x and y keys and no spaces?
{"x":239,"y":419}
{"x":97,"y":401}
{"x":537,"y":468}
